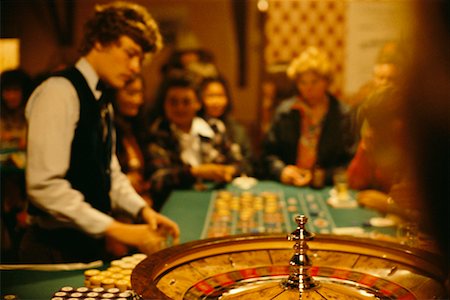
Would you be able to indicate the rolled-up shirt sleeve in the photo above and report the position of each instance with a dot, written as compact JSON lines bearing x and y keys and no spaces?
{"x":52,"y":113}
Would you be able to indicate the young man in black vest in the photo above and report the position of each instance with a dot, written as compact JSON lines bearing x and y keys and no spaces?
{"x":74,"y":180}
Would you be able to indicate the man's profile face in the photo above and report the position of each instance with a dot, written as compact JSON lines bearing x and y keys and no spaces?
{"x":119,"y":62}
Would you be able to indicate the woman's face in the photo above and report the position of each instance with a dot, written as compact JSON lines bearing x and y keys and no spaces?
{"x":181,"y":106}
{"x":214,"y":99}
{"x":131,"y":98}
{"x":312,"y":86}
{"x":12,"y":97}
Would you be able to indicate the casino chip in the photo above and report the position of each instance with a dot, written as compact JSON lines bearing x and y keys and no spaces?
{"x":113,"y":283}
{"x":244,"y":182}
{"x":320,"y":223}
{"x":93,"y":293}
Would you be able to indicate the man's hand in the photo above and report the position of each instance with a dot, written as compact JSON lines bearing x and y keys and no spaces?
{"x":140,"y":236}
{"x":161,"y":223}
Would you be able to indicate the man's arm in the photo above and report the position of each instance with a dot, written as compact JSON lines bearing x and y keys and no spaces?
{"x":52,"y":113}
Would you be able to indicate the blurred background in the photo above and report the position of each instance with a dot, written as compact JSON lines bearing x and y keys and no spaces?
{"x":250,"y":41}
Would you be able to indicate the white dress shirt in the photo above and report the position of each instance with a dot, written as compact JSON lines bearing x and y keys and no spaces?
{"x":190,"y":142}
{"x":52,"y":113}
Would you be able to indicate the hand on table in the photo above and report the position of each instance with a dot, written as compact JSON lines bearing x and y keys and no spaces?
{"x":161,"y":223}
{"x":149,"y":237}
{"x":293,"y":175}
{"x":373,"y":199}
{"x":214,"y":172}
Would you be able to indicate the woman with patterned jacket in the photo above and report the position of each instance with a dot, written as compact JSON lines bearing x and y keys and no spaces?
{"x":183,"y":149}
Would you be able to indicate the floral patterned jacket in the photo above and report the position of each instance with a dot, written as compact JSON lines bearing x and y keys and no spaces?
{"x":162,"y":153}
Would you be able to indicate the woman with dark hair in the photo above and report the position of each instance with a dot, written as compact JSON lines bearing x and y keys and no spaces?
{"x":127,"y":105}
{"x":15,"y":88}
{"x":216,"y":101}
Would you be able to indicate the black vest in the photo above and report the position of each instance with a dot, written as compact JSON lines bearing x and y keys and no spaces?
{"x":89,"y":170}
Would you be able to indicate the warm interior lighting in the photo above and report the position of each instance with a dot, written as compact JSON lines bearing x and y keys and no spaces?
{"x":263,"y":5}
{"x":10,"y":54}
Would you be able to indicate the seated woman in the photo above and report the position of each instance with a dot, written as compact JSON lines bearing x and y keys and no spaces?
{"x":127,"y":106}
{"x":310,"y":129}
{"x":216,"y":104}
{"x":183,"y":149}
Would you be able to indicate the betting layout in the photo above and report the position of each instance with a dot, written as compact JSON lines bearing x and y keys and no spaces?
{"x":236,"y":211}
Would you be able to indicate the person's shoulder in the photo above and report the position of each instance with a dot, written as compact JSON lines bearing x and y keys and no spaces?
{"x":234,"y":126}
{"x":157,"y":125}
{"x":53,"y":88}
{"x":159,"y":130}
{"x":338,"y":104}
{"x":54,"y":84}
{"x":216,"y":124}
{"x":285,"y":105}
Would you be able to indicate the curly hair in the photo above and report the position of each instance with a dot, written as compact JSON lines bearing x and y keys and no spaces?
{"x":111,"y":21}
{"x":312,"y":59}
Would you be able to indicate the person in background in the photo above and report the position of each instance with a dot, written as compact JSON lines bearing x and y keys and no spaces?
{"x":362,"y":172}
{"x":389,"y":184}
{"x":194,"y":63}
{"x":193,"y":59}
{"x":217,"y":104}
{"x":127,"y":106}
{"x":15,"y":88}
{"x":182,"y":150}
{"x":74,"y":181}
{"x":310,"y":129}
{"x":385,"y":73}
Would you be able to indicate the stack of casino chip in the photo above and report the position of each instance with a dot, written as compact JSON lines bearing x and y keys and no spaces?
{"x":112,"y":283}
{"x":116,"y":276}
{"x":84,"y":293}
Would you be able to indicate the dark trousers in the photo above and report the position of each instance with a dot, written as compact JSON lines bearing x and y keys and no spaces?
{"x":43,"y":246}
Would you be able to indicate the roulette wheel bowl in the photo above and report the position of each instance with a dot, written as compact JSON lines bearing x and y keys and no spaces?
{"x":251,"y":266}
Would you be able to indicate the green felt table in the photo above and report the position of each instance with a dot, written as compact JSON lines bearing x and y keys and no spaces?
{"x":28,"y":284}
{"x":189,"y":209}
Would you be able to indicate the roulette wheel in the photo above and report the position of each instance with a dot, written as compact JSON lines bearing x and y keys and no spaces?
{"x":303,"y":266}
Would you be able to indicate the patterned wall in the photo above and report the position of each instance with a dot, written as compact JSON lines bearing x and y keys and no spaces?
{"x":292,"y":25}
